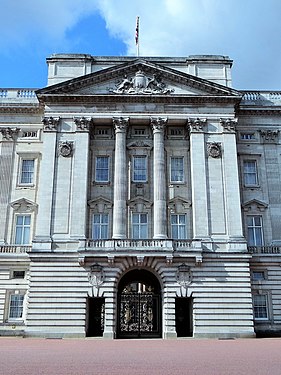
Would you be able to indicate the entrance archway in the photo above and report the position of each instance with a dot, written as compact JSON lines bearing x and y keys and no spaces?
{"x":139,"y":306}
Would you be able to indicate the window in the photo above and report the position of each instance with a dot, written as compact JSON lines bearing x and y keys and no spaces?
{"x":100,"y":227}
{"x":250,"y":173}
{"x":22,"y":235}
{"x":177,"y":169}
{"x":258,"y":275}
{"x":178,"y":226}
{"x":260,"y":306}
{"x":16,"y":306}
{"x":247,"y":136}
{"x":102,"y":169}
{"x":27,"y":171}
{"x":139,"y":169}
{"x":18,"y":274}
{"x":139,"y":131}
{"x":255,"y":231}
{"x":140,"y":229}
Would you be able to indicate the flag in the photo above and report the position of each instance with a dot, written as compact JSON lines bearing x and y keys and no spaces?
{"x":137,"y":30}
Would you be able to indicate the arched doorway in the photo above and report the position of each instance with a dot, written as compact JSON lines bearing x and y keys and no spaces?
{"x":139,"y":306}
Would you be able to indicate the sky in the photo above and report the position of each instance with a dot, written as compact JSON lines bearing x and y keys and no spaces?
{"x":248,"y":31}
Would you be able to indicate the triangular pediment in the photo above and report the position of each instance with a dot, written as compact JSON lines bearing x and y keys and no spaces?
{"x":24,"y":205}
{"x":100,"y":204}
{"x":254,"y":205}
{"x":138,"y":77}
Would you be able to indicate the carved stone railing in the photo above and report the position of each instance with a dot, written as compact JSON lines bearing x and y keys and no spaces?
{"x":258,"y":97}
{"x":15,"y":249}
{"x":18,"y":95}
{"x":264,"y":249}
{"x":142,"y":244}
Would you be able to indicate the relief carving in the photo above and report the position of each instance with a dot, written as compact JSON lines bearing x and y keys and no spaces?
{"x":141,"y":84}
{"x":229,"y":125}
{"x":120,"y":123}
{"x":66,"y":149}
{"x":10,"y":134}
{"x":269,"y":136}
{"x":214,"y":150}
{"x":196,"y":125}
{"x":50,"y":123}
{"x":158,"y":123}
{"x":83,"y":123}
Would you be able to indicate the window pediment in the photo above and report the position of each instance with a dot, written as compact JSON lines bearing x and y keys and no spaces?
{"x":254,"y":205}
{"x":24,"y":205}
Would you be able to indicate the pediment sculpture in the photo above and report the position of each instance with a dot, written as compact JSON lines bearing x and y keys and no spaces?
{"x":141,"y":84}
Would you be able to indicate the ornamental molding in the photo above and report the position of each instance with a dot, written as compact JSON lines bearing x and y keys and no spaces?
{"x":254,"y":205}
{"x":10,"y":134}
{"x":66,"y":149}
{"x":83,"y":123}
{"x":139,"y":144}
{"x":120,"y":124}
{"x":50,"y":124}
{"x":100,"y":204}
{"x":140,"y":83}
{"x":179,"y":205}
{"x":24,"y":206}
{"x":184,"y":275}
{"x":96,"y":275}
{"x":158,"y":123}
{"x":214,"y":150}
{"x":196,"y":124}
{"x":229,"y":125}
{"x":269,"y":136}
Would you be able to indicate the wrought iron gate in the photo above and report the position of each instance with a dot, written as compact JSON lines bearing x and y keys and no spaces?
{"x":139,"y":315}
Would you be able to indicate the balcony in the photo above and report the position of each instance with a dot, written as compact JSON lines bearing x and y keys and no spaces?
{"x":154,"y":245}
{"x":264,"y":249}
{"x":14,"y":249}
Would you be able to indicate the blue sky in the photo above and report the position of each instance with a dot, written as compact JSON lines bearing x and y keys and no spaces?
{"x":248,"y":31}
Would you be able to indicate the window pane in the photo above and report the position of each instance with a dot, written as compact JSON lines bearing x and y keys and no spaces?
{"x":177,"y":169}
{"x":102,"y":169}
{"x":22,"y":230}
{"x":139,"y":168}
{"x":139,"y":226}
{"x":255,"y":231}
{"x":16,"y":306}
{"x":260,"y":306}
{"x":27,"y":171}
{"x":250,"y":172}
{"x":178,"y":226}
{"x":100,"y":227}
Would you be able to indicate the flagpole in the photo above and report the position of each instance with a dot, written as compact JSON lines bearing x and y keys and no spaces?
{"x":137,"y":35}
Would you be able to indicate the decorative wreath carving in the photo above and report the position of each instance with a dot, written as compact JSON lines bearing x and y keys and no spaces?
{"x":66,"y":149}
{"x":214,"y":150}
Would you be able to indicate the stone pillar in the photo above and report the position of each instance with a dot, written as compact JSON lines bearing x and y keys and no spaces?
{"x":9,"y":135}
{"x":80,"y":178}
{"x":198,"y":178}
{"x":231,"y":180}
{"x":159,"y":178}
{"x":120,"y":178}
{"x":42,"y":238}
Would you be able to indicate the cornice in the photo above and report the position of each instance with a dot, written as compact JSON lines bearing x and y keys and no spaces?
{"x":32,"y":108}
{"x":268,"y":111}
{"x":172,"y":99}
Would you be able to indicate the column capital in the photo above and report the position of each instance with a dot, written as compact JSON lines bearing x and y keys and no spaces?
{"x":83,"y":123}
{"x":120,"y":123}
{"x":158,"y":123}
{"x":50,"y":124}
{"x":10,"y":134}
{"x":269,"y":135}
{"x":229,"y":125}
{"x":196,"y":124}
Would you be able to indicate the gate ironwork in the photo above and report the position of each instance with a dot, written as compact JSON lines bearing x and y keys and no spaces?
{"x":139,"y":315}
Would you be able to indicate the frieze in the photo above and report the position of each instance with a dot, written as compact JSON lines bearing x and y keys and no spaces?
{"x":66,"y":149}
{"x":50,"y":123}
{"x":158,"y":123}
{"x":140,"y":83}
{"x":10,"y":134}
{"x":229,"y":125}
{"x":269,"y":136}
{"x":214,"y":150}
{"x":120,"y":123}
{"x":83,"y":124}
{"x":196,"y":125}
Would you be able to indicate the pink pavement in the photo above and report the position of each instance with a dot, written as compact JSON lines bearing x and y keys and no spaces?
{"x":33,"y":356}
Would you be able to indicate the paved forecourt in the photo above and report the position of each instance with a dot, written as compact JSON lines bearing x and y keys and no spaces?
{"x":35,"y":356}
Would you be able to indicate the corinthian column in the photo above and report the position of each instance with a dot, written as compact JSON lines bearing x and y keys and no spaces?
{"x":159,"y":178}
{"x":120,"y":178}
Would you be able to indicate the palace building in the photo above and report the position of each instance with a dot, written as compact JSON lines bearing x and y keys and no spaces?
{"x":140,"y":197}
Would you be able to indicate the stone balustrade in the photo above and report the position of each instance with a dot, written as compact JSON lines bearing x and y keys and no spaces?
{"x":264,"y":249}
{"x":18,"y":95}
{"x":15,"y":249}
{"x":266,"y":97}
{"x":141,"y":244}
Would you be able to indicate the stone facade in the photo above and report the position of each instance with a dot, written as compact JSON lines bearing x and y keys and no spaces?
{"x":140,"y":198}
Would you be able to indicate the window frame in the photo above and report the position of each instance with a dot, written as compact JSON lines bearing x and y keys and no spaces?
{"x":266,"y":306}
{"x":145,"y":169}
{"x":255,"y":227}
{"x":247,"y":174}
{"x":102,"y":181}
{"x":23,"y":226}
{"x":178,"y":226}
{"x":139,"y":225}
{"x":177,"y":171}
{"x":9,"y":295}
{"x":100,"y":225}
{"x":22,"y":172}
